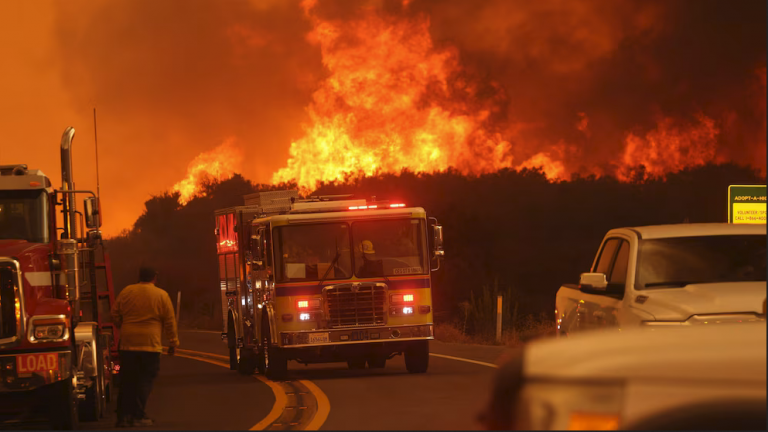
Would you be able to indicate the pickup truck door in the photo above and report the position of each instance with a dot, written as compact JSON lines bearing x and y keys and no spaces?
{"x":601,"y":310}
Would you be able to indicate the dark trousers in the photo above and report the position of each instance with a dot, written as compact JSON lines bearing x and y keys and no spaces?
{"x":138,"y":370}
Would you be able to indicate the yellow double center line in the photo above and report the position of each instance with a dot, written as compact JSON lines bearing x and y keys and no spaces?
{"x":299,"y":405}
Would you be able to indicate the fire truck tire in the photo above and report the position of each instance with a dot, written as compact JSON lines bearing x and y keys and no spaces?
{"x":272,"y":359}
{"x":231,"y":344}
{"x":417,"y":357}
{"x":247,"y":363}
{"x":90,"y":407}
{"x":233,"y":362}
{"x":63,"y":408}
{"x":377,"y":362}
{"x":356,"y":364}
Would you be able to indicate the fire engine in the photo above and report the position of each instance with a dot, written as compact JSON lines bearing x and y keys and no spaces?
{"x":326,"y":279}
{"x":58,"y":348}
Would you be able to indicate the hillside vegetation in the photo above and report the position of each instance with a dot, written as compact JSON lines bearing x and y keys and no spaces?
{"x":510,"y":233}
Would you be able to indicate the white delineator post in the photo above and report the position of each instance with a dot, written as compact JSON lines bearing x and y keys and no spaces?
{"x":178,"y":306}
{"x":498,"y":319}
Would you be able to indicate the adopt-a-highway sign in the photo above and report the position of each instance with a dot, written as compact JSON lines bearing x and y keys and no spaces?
{"x":746,"y":204}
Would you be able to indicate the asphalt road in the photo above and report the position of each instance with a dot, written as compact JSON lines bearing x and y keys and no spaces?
{"x":194,"y":394}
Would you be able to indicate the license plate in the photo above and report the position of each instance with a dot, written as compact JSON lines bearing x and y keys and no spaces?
{"x":29,"y":363}
{"x":318,"y":338}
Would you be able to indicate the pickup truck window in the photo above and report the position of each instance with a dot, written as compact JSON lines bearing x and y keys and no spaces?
{"x":619,"y":272}
{"x":606,"y":256}
{"x":677,"y":262}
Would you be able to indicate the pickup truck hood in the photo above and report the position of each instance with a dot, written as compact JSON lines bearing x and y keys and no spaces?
{"x":704,"y":299}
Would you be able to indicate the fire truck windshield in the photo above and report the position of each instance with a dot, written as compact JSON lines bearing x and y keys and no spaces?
{"x":306,"y":252}
{"x":24,"y":215}
{"x":389,"y":247}
{"x":374,"y":248}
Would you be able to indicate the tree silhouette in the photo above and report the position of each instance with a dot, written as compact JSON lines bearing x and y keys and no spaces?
{"x":509,"y":230}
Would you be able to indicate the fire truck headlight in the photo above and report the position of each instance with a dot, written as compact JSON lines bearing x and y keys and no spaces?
{"x":407,"y":310}
{"x":304,"y":317}
{"x":49,"y":332}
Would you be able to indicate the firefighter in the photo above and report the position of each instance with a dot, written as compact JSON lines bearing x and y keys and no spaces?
{"x":142,"y":312}
{"x":370,"y":266}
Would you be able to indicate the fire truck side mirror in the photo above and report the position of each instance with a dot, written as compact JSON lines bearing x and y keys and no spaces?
{"x":256,"y":249}
{"x":92,"y":212}
{"x":438,"y":241}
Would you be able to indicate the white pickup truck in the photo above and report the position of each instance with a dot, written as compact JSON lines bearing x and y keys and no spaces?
{"x":669,"y":275}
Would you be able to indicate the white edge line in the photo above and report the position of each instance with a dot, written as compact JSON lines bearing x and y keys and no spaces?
{"x":465,"y":360}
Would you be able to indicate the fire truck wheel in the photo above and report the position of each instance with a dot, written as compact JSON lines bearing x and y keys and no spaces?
{"x":417,"y":357}
{"x":63,"y":408}
{"x":260,"y":360}
{"x":274,"y":362}
{"x":377,"y":362}
{"x":231,"y":344}
{"x":247,"y":363}
{"x":356,"y":364}
{"x":233,"y":363}
{"x":90,"y":406}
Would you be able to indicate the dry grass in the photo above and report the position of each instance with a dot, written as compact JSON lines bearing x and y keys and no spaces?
{"x":526,"y":330}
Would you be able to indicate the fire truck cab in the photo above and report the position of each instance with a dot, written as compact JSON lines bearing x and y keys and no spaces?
{"x":58,"y":345}
{"x":326,"y":279}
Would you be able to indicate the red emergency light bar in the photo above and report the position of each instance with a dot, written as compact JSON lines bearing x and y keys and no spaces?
{"x":373,"y":206}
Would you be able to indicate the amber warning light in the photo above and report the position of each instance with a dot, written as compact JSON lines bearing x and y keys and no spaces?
{"x":307,"y":304}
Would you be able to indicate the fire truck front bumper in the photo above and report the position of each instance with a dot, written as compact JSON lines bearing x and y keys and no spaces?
{"x":29,"y":371}
{"x":356,"y":335}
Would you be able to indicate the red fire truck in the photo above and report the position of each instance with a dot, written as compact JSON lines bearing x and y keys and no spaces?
{"x":326,"y":279}
{"x":58,"y":347}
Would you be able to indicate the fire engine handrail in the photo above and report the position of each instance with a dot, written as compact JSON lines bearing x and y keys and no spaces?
{"x":74,"y":191}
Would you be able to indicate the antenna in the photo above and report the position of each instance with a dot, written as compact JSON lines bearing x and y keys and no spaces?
{"x":96,"y":141}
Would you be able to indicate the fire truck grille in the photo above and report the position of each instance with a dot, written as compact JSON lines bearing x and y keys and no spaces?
{"x":7,"y":302}
{"x":365,"y":306}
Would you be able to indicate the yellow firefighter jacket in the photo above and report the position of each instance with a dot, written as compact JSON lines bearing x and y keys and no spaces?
{"x":142,"y":312}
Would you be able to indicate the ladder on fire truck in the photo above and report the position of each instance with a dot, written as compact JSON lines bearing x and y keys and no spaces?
{"x":97,"y":308}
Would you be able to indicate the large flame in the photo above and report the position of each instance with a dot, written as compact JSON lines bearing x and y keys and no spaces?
{"x":671,"y":147}
{"x":393,"y":100}
{"x":390,"y":103}
{"x":219,"y":164}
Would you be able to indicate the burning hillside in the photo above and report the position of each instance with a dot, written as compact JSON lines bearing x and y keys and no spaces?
{"x":391,"y":102}
{"x":394,"y":100}
{"x":218,"y":164}
{"x":325,"y":90}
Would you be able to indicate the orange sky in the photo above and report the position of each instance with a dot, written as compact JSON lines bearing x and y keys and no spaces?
{"x":142,"y":151}
{"x":578,"y":81}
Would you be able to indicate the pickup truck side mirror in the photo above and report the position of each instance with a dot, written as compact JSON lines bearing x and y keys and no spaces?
{"x":597,"y":283}
{"x":593,"y":281}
